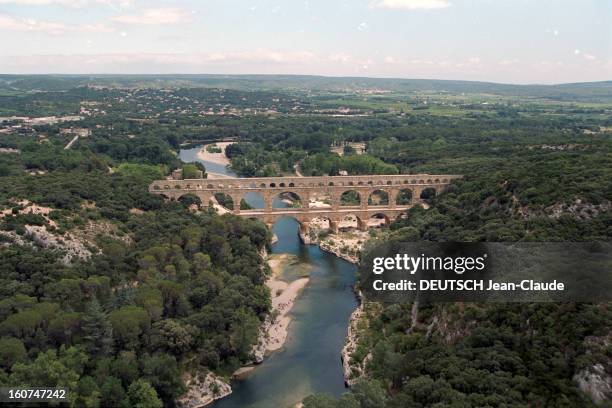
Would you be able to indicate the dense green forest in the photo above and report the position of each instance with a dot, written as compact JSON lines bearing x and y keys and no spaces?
{"x":169,"y":291}
{"x":476,"y":355}
{"x":166,"y":288}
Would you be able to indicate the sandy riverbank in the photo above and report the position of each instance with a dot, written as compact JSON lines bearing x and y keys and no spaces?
{"x":284,"y":295}
{"x":274,"y":330}
{"x":219,"y":158}
{"x":212,"y":176}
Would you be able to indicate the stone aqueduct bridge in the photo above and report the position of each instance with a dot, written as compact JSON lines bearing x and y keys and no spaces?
{"x":309,"y":187}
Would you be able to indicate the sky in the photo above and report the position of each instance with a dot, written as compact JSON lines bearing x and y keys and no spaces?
{"x":509,"y":41}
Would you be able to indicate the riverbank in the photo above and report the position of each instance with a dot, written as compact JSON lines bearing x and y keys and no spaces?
{"x":274,"y":330}
{"x":218,"y":158}
{"x":337,"y":249}
{"x":213,"y":176}
{"x":345,"y":244}
{"x":283,"y":295}
{"x":202,"y":389}
{"x":354,"y":369}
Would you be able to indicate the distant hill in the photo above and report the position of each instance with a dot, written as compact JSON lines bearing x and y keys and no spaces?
{"x":577,"y":92}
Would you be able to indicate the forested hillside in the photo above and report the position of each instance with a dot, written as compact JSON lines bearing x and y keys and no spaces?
{"x":156,"y":290}
{"x":117,"y":294}
{"x":595,"y":91}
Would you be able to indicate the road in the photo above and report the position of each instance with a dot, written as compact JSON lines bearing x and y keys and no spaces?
{"x":73,"y":141}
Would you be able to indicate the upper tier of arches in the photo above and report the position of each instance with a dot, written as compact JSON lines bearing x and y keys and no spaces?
{"x":302,"y":182}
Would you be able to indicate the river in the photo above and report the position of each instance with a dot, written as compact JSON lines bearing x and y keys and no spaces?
{"x":310,"y":360}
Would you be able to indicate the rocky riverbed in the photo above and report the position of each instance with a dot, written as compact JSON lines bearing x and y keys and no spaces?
{"x":202,"y":389}
{"x":345,"y":244}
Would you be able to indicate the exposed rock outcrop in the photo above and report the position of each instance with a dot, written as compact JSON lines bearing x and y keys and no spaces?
{"x":259,"y":349}
{"x":352,"y":369}
{"x":328,"y":246}
{"x":346,"y":245}
{"x":202,"y":390}
{"x":596,"y":382}
{"x":77,"y":243}
{"x":72,"y":247}
{"x":576,"y":209}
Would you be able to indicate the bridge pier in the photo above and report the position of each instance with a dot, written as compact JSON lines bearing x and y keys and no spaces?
{"x":333,"y":226}
{"x":335,"y":201}
{"x":236,"y":200}
{"x":204,"y":198}
{"x":393,"y":198}
{"x":363,"y":200}
{"x":267,"y":196}
{"x":304,"y":228}
{"x":361,"y":224}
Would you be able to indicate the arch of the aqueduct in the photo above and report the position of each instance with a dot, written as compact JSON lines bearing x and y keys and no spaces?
{"x":307,"y":188}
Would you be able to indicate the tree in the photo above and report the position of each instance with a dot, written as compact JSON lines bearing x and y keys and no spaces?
{"x":112,"y":393}
{"x":191,"y":171}
{"x":370,"y":394}
{"x":173,"y":336}
{"x":325,"y":401}
{"x":52,"y":369}
{"x":244,"y":331}
{"x":151,"y":300}
{"x":348,"y":149}
{"x":88,"y":393}
{"x":97,"y":330}
{"x":65,"y":328}
{"x":129,"y":323}
{"x":142,"y":395}
{"x":201,"y":262}
{"x":12,"y":351}
{"x":125,"y":367}
{"x":162,"y":372}
{"x":319,"y":401}
{"x":22,"y":325}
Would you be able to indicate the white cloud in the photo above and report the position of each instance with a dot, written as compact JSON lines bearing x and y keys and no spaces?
{"x":552,"y":31}
{"x":410,"y":4}
{"x":423,"y":62}
{"x":95,"y":28}
{"x":340,"y":57}
{"x":508,"y":62}
{"x":547,"y":63}
{"x":116,"y":4}
{"x":264,"y":55}
{"x":256,"y":61}
{"x":154,"y":16}
{"x":27,"y":24}
{"x":48,"y":27}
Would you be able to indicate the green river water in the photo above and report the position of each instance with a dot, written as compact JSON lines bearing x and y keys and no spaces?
{"x":309,"y":362}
